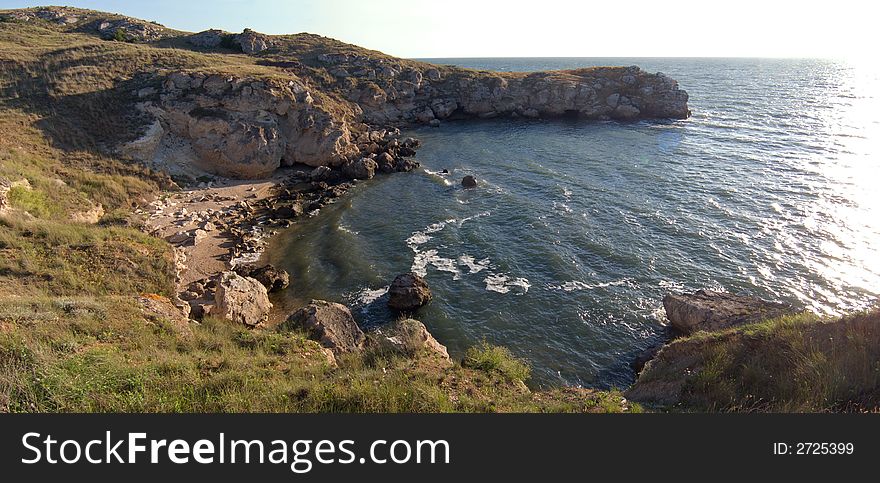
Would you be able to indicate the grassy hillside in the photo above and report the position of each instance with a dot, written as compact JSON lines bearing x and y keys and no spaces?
{"x":798,"y":363}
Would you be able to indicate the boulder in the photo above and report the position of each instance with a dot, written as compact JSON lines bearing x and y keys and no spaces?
{"x":363,"y":168}
{"x":407,"y":337}
{"x":207,"y":38}
{"x":241,"y":299}
{"x":712,"y":311}
{"x":404,"y":165}
{"x":158,"y":309}
{"x":329,"y":323}
{"x":469,"y":182}
{"x":253,"y":42}
{"x":274,"y":279}
{"x":321,"y":173}
{"x":408,"y":292}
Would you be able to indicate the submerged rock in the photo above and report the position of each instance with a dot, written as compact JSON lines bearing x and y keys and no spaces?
{"x":241,"y":299}
{"x":408,"y":292}
{"x":709,"y":310}
{"x":329,"y":323}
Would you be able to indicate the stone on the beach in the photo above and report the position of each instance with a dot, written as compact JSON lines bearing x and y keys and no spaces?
{"x":711,"y":311}
{"x":241,"y":299}
{"x":273,"y":278}
{"x":408,"y":292}
{"x":329,"y":323}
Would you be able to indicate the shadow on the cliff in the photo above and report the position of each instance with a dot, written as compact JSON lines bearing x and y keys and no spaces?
{"x":93,"y":121}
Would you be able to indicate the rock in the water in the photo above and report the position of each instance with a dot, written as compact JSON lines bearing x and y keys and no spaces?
{"x":469,"y":182}
{"x":274,"y":279}
{"x":408,"y":337}
{"x":709,"y":310}
{"x":363,"y":168}
{"x":329,"y":323}
{"x":408,"y":292}
{"x":241,"y":299}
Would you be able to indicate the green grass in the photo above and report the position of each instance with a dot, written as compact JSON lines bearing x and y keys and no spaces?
{"x":796,"y":363}
{"x":97,"y":354}
{"x":496,"y":359}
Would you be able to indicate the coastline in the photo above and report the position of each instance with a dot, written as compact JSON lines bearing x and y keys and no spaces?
{"x":265,"y":106}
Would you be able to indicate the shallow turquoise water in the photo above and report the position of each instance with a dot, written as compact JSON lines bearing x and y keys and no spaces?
{"x":578,"y":229}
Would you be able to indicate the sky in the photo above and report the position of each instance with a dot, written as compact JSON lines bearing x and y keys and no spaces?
{"x":542,"y":28}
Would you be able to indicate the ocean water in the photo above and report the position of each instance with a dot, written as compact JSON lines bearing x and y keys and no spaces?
{"x":578,"y":229}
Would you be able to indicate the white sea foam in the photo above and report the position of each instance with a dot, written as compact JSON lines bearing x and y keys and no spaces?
{"x":430,"y":257}
{"x":368,"y":295}
{"x":474,"y":265}
{"x":501,"y":283}
{"x":573,"y":285}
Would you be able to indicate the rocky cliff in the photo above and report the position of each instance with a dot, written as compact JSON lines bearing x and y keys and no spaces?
{"x":242,"y":105}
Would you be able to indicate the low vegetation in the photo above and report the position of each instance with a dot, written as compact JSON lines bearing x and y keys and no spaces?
{"x":797,"y":363}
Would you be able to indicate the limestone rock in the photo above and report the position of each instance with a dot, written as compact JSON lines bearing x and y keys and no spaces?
{"x":130,"y":30}
{"x":274,"y":279}
{"x":408,"y":337}
{"x":253,"y":42}
{"x":363,"y":168}
{"x":241,"y":299}
{"x":207,"y":38}
{"x":712,"y":311}
{"x":329,"y":323}
{"x":408,"y":292}
{"x":161,"y":310}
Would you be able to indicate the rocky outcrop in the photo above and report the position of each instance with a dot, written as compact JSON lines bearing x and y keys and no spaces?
{"x":241,"y":300}
{"x":407,"y":93}
{"x":274,"y":279}
{"x":5,"y":186}
{"x":207,"y":38}
{"x":253,"y":42}
{"x":329,"y":323}
{"x":247,"y":128}
{"x":161,"y":310}
{"x":56,"y":15}
{"x":408,"y":292}
{"x":408,"y":337}
{"x":130,"y":30}
{"x":710,"y":311}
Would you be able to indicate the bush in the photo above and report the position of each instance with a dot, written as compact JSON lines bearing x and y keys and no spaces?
{"x":491,"y":358}
{"x":120,"y":36}
{"x":227,"y":41}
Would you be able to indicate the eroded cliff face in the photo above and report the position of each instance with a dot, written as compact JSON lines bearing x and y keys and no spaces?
{"x":413,"y":95}
{"x":242,"y":105}
{"x":245,"y":127}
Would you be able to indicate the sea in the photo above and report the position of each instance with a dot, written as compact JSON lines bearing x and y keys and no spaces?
{"x":577,"y":230}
